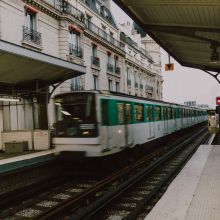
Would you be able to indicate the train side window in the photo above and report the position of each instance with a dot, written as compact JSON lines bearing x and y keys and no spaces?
{"x":150,"y":113}
{"x":158,"y":113}
{"x":139,"y":113}
{"x":173,"y":112}
{"x":169,"y":112}
{"x":176,"y":113}
{"x":165,"y":113}
{"x":120,"y":107}
{"x":128,"y":113}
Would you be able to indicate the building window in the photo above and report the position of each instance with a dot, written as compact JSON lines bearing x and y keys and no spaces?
{"x":96,"y":82}
{"x":75,"y":43}
{"x":117,"y":87}
{"x":94,"y":50}
{"x":30,"y":26}
{"x":104,"y":32}
{"x":111,"y":37}
{"x":110,"y":85}
{"x":98,"y":6}
{"x":76,"y":84}
{"x":136,"y":80}
{"x":30,"y":19}
{"x":24,"y":115}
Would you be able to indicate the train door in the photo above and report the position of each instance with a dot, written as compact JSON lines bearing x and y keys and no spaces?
{"x":165,"y":120}
{"x":181,"y":117}
{"x":175,"y":118}
{"x":150,"y":119}
{"x":128,"y":124}
{"x":107,"y":129}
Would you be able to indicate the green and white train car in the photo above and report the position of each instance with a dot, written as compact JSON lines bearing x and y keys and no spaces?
{"x":101,"y":123}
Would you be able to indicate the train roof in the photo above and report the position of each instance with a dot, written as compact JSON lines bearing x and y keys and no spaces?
{"x":107,"y":92}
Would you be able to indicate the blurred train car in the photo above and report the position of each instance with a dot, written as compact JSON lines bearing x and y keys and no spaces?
{"x":101,"y":123}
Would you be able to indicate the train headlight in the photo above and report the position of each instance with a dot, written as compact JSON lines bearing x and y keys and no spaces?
{"x":119,"y":131}
{"x":85,"y":132}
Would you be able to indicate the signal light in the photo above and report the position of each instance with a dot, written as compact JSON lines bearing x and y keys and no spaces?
{"x":169,"y":66}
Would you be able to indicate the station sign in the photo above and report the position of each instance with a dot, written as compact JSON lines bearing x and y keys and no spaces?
{"x":169,"y":66}
{"x":218,"y":100}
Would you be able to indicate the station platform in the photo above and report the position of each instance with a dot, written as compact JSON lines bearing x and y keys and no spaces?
{"x":14,"y":161}
{"x":195,"y":192}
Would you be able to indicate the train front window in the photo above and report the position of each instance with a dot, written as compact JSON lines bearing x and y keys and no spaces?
{"x":75,"y":115}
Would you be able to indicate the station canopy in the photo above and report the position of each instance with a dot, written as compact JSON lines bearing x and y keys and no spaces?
{"x":21,"y":68}
{"x":188,"y":30}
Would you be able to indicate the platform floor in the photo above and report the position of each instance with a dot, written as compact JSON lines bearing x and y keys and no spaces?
{"x":195,"y":192}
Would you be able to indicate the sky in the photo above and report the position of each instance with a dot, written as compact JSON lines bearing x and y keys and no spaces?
{"x":182,"y":84}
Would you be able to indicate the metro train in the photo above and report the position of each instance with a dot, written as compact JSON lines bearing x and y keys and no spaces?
{"x":101,"y":123}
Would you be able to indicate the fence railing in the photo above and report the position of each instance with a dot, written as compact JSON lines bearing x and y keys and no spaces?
{"x":101,"y":33}
{"x":64,"y":6}
{"x":110,"y":67}
{"x":32,"y":36}
{"x":118,"y":70}
{"x":95,"y":61}
{"x":75,"y":50}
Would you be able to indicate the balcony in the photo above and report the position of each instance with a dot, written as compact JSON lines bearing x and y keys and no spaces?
{"x":101,"y":33}
{"x":32,"y":36}
{"x":95,"y":61}
{"x":69,"y":9}
{"x":76,"y":87}
{"x":75,"y":50}
{"x":64,"y":6}
{"x":118,"y":70}
{"x":110,"y":67}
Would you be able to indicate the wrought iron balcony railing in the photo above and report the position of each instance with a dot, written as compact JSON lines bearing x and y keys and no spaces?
{"x":64,"y":6}
{"x":110,"y":67}
{"x":69,"y":9}
{"x":32,"y":36}
{"x":95,"y":61}
{"x":118,"y":70}
{"x":101,"y":33}
{"x":76,"y":87}
{"x":75,"y":50}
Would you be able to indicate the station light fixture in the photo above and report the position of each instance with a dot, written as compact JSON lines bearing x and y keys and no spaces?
{"x":9,"y":99}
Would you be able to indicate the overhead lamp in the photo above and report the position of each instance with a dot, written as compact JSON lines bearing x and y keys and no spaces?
{"x":214,"y":55}
{"x":9,"y":99}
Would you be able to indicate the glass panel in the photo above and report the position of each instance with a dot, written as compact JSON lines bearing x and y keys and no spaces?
{"x":158,"y":113}
{"x":149,"y":111}
{"x":138,"y":112}
{"x":128,"y":113}
{"x":75,"y":115}
{"x":14,"y":118}
{"x":21,"y":118}
{"x":6,"y":116}
{"x":120,"y":107}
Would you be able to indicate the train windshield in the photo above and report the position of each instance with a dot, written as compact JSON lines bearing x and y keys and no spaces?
{"x":75,"y":115}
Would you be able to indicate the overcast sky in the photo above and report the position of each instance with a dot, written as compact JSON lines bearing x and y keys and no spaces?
{"x":182,"y":84}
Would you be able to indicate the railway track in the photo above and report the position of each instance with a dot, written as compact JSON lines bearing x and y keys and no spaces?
{"x":83,"y":199}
